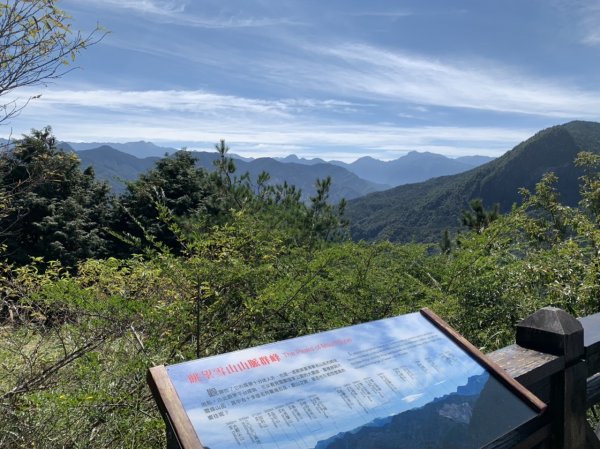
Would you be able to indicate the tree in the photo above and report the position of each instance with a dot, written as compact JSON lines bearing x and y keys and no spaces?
{"x":479,"y":218}
{"x":175,"y":186}
{"x":590,"y":182}
{"x":325,"y":220}
{"x":36,"y":45}
{"x":446,"y":243}
{"x":56,"y":211}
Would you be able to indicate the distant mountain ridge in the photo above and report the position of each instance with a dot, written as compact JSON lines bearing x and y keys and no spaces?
{"x":140,"y":149}
{"x":345,"y":185}
{"x":292,"y":158}
{"x":411,"y":168}
{"x":117,"y":165}
{"x":422,"y":211}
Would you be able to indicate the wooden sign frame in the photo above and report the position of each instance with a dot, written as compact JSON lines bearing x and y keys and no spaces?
{"x":179,"y":427}
{"x":181,"y":433}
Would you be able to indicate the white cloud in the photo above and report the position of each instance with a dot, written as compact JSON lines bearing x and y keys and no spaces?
{"x":589,"y":22}
{"x":179,"y":12}
{"x":367,"y":72}
{"x":178,"y":101}
{"x":158,"y":7}
{"x":252,"y":127}
{"x":371,"y":74}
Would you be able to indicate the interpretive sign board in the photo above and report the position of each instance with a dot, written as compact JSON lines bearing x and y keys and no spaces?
{"x":403,"y":382}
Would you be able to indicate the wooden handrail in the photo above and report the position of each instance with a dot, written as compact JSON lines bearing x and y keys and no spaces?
{"x":557,"y":357}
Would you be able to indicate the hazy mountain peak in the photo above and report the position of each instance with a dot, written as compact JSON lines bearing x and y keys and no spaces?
{"x":365,"y":158}
{"x":294,"y":159}
{"x":423,"y":155}
{"x":139,"y":149}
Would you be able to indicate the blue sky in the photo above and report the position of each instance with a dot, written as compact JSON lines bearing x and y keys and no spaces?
{"x":333,"y":79}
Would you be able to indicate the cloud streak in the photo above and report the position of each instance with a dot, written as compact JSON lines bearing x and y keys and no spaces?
{"x":589,"y":21}
{"x":157,"y":7}
{"x":364,"y":73}
{"x":181,"y":101}
{"x":368,"y":72}
{"x":178,"y":12}
{"x":252,"y":127}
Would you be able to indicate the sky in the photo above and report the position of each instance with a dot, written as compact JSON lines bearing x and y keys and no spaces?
{"x":336,"y":79}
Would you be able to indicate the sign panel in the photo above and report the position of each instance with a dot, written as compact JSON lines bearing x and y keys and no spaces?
{"x":394,"y":383}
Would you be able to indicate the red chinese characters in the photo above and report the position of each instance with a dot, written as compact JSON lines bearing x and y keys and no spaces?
{"x":208,"y":374}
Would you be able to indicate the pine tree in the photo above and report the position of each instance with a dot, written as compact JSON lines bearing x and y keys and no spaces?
{"x":51,"y":208}
{"x":479,"y":218}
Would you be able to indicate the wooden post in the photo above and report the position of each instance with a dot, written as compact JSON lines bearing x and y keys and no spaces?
{"x":180,"y":431}
{"x":553,"y":331}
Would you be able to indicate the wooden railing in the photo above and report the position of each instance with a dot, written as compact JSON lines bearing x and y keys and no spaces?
{"x":557,"y":357}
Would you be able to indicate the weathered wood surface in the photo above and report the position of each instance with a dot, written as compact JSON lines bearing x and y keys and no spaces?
{"x":182,"y":433}
{"x":553,"y":331}
{"x":526,"y":365}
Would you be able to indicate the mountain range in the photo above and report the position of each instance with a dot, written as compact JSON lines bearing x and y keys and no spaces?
{"x":414,"y":167}
{"x":411,"y":168}
{"x":422,"y":211}
{"x":118,"y":167}
{"x":359,"y":178}
{"x":140,"y":149}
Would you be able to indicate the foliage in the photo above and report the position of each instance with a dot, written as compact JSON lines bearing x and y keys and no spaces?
{"x":175,"y":185}
{"x":478,"y":218}
{"x":178,"y":197}
{"x":72,"y":366}
{"x":50,"y":207}
{"x":590,"y":182}
{"x":446,"y":243}
{"x":76,"y":346}
{"x":224,"y":263}
{"x":36,"y":44}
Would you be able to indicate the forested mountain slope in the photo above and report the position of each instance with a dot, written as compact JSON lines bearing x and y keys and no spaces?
{"x":344,"y":183}
{"x":421,"y":212}
{"x":116,"y":167}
